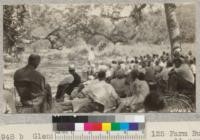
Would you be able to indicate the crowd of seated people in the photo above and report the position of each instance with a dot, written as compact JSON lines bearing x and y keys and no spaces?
{"x":120,"y":86}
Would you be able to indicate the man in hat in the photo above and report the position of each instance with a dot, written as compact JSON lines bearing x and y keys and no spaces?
{"x":177,"y":51}
{"x":77,"y":78}
{"x":119,"y":84}
{"x":32,"y":88}
{"x":68,"y":84}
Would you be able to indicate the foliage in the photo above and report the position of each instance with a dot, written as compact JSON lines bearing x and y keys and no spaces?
{"x":153,"y":29}
{"x":186,"y":17}
{"x":68,"y":23}
{"x":12,"y":25}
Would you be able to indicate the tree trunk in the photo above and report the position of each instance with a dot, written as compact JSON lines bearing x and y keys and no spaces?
{"x":173,"y":27}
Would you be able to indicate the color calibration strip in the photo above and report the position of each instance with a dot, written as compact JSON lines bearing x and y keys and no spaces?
{"x":103,"y":123}
{"x":98,"y":126}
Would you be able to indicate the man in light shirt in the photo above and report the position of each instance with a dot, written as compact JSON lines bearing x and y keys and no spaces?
{"x":91,"y":56}
{"x":139,"y":90}
{"x":102,"y":95}
{"x":181,"y":78}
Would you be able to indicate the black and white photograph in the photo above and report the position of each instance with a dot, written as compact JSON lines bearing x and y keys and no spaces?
{"x":99,"y":58}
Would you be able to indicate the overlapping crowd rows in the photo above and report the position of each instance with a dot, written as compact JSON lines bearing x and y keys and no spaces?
{"x":132,"y":85}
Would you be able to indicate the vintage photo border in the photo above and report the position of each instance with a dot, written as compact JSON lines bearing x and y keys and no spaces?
{"x":46,"y":118}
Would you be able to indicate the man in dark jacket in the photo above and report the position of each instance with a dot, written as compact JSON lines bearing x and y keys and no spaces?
{"x":32,"y":88}
{"x":68,"y":86}
{"x":77,"y":78}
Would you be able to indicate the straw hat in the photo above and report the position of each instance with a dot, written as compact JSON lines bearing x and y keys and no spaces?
{"x":71,"y":67}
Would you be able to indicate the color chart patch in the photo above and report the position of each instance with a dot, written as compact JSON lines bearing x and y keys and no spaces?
{"x":99,"y":123}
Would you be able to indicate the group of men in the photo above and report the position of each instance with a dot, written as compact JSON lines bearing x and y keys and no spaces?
{"x":121,"y":86}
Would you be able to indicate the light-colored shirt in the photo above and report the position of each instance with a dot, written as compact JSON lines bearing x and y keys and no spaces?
{"x":164,"y":75}
{"x":193,"y":68}
{"x":139,"y":89}
{"x":102,"y":93}
{"x":91,"y":56}
{"x":120,"y":87}
{"x":185,"y":72}
{"x":163,"y":64}
{"x":142,"y":70}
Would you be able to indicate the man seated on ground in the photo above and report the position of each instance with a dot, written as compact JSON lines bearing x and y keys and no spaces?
{"x":102,"y":95}
{"x":68,"y":84}
{"x":62,"y":88}
{"x":150,"y":73}
{"x":35,"y":94}
{"x":157,"y":67}
{"x":182,"y":78}
{"x":139,"y":90}
{"x":119,"y":84}
{"x":163,"y":77}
